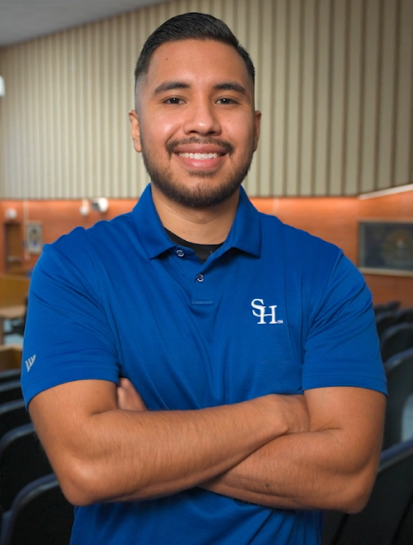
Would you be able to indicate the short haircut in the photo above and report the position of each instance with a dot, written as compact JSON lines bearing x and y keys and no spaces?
{"x":190,"y":26}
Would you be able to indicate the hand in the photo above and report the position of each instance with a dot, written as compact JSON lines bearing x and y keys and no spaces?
{"x":299,"y":412}
{"x":291,"y":411}
{"x":128,"y":399}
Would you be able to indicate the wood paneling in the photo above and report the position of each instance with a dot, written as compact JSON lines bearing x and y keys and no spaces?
{"x":10,"y":357}
{"x":334,"y":219}
{"x":13,"y":290}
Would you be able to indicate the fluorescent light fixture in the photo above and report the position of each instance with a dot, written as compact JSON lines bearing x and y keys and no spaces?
{"x":385,"y":192}
{"x":2,"y":87}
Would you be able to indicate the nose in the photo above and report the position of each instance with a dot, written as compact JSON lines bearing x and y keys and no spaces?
{"x":202,"y":119}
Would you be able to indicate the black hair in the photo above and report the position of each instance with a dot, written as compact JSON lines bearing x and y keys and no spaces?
{"x":195,"y":26}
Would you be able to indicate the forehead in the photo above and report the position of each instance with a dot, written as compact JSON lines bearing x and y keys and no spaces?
{"x":202,"y":62}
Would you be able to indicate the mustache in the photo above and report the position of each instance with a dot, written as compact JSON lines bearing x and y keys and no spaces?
{"x":173,"y":144}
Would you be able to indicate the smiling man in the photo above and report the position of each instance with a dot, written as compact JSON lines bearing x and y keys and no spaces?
{"x":204,"y":374}
{"x":195,"y":122}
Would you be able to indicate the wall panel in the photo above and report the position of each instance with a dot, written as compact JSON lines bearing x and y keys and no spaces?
{"x":308,"y":100}
{"x":355,"y":74}
{"x":334,"y":84}
{"x":403,"y":126}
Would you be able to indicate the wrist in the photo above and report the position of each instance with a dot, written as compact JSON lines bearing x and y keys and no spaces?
{"x":284,"y":414}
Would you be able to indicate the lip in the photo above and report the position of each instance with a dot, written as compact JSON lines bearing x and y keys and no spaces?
{"x":206,"y":157}
{"x":192,"y":161}
{"x":200,"y":149}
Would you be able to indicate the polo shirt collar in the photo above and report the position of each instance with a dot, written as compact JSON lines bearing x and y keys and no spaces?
{"x":245,"y":233}
{"x":150,"y":230}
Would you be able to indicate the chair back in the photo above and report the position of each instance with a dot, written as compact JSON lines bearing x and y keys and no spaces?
{"x":399,"y":372}
{"x":383,"y":518}
{"x":404,"y":316}
{"x":22,"y":460}
{"x":12,"y":415}
{"x":40,"y":515}
{"x":384,"y":320}
{"x":10,"y":391}
{"x":385,"y":307}
{"x":9,"y":374}
{"x":396,"y":339}
{"x":404,"y":534}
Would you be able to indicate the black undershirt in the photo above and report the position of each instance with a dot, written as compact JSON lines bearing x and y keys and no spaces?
{"x":202,"y":251}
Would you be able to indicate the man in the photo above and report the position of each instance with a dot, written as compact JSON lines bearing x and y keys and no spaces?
{"x":251,"y":393}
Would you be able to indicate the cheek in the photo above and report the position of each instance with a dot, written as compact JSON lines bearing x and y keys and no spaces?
{"x":162,"y":127}
{"x":240,"y":130}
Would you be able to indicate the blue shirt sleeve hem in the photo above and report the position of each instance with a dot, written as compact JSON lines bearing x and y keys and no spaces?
{"x":74,"y":374}
{"x":368,"y":382}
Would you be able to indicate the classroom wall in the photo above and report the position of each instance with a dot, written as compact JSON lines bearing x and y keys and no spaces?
{"x":334,"y":84}
{"x":332,"y":218}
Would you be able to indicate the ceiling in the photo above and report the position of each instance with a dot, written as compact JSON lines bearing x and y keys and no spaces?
{"x":22,"y":20}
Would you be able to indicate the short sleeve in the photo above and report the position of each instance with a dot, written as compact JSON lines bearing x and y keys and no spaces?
{"x":67,"y":334}
{"x":342,"y":346}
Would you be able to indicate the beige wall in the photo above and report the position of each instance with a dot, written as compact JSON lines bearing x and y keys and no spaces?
{"x":335,"y":85}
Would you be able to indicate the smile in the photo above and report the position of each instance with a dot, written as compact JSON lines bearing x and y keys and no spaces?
{"x":199,"y":156}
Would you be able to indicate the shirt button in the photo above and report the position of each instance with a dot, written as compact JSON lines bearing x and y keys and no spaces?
{"x":200,"y":278}
{"x":180,"y":253}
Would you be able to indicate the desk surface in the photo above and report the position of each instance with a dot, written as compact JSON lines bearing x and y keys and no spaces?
{"x":11,"y":313}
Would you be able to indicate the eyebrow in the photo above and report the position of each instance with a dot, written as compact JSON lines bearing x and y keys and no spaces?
{"x":231,"y":86}
{"x":225,"y":86}
{"x":169,"y":86}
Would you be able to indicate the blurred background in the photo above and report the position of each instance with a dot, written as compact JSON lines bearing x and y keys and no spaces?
{"x":335,"y":87}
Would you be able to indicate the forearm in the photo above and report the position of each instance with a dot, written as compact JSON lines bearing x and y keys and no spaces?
{"x":300,"y":471}
{"x":328,"y":467}
{"x":110,"y":454}
{"x":150,"y":454}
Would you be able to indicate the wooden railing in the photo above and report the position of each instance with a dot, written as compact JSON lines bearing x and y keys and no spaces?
{"x":10,"y":357}
{"x":13,"y":290}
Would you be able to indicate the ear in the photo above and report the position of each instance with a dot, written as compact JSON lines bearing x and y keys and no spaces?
{"x":257,"y":128}
{"x":135,"y":130}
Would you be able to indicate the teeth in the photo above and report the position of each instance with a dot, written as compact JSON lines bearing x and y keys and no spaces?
{"x":199,"y":156}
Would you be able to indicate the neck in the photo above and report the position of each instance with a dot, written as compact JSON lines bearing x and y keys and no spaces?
{"x":209,"y":225}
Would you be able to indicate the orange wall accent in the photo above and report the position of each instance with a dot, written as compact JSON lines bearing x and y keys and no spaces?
{"x":332,"y":218}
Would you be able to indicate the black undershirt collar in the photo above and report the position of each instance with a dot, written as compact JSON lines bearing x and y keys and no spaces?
{"x":202,"y":251}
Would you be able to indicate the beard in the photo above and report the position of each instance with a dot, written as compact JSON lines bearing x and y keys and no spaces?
{"x":202,"y":194}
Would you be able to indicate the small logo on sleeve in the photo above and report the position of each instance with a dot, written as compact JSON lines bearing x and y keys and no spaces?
{"x":265,"y":317}
{"x":29,"y":362}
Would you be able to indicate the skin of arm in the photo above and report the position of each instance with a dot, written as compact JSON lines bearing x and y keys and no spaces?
{"x":100,"y":452}
{"x":332,"y":466}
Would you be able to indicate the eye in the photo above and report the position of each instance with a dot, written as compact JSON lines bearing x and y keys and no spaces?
{"x":226,"y":100}
{"x":173,"y":100}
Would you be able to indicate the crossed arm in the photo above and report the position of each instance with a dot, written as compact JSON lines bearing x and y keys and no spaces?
{"x":320,"y":450}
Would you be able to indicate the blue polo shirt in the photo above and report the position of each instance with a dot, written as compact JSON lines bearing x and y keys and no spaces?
{"x":273,"y":310}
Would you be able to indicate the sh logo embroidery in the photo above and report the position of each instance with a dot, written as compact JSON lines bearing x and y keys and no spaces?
{"x":261,"y":312}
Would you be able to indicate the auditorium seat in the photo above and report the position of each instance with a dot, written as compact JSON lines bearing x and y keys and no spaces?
{"x":384,"y":320}
{"x":385,"y":517}
{"x":10,"y":391}
{"x":404,"y":316}
{"x":399,"y":373}
{"x":9,"y":374}
{"x":40,"y":515}
{"x":386,"y":307}
{"x":404,"y":534}
{"x":22,"y":460}
{"x":12,"y":415}
{"x":396,"y":339}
